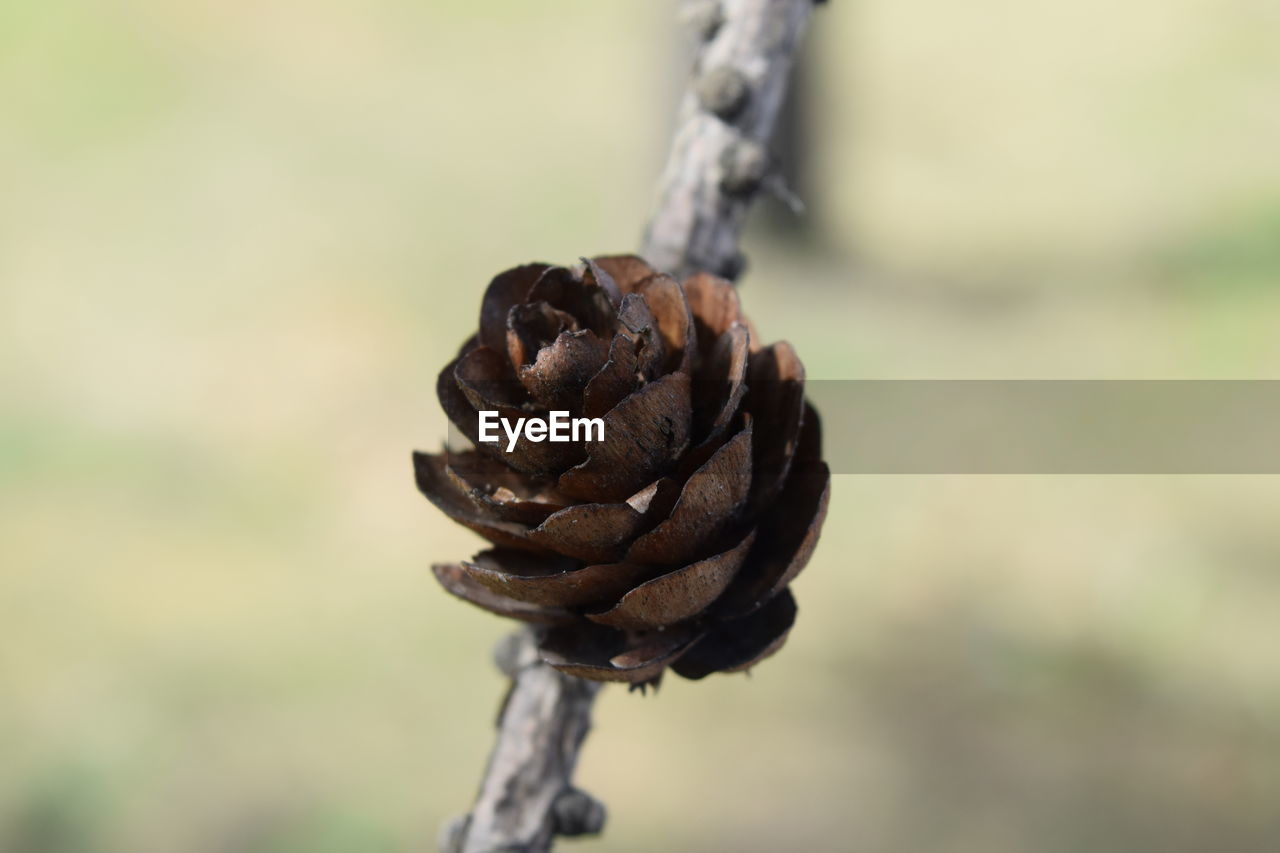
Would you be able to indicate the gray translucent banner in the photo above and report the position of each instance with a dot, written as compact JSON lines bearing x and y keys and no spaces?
{"x":1049,"y":426}
{"x":1037,"y":426}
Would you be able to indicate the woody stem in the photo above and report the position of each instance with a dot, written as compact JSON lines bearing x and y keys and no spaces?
{"x":720,"y":159}
{"x":717,"y":164}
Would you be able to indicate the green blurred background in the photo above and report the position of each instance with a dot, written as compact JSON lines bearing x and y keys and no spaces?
{"x":238,"y":239}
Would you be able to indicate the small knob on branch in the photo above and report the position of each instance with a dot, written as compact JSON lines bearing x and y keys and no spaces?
{"x":575,"y":812}
{"x":723,"y":91}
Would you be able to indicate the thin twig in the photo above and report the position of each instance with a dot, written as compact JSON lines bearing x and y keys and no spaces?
{"x":720,"y":157}
{"x":526,"y":797}
{"x":718,"y":162}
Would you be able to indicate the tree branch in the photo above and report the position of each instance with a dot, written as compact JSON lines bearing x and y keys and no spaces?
{"x":717,"y":163}
{"x":526,"y":797}
{"x":719,"y":158}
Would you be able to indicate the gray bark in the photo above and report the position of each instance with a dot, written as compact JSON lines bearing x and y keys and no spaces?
{"x":717,"y":163}
{"x":719,"y":158}
{"x":526,"y":797}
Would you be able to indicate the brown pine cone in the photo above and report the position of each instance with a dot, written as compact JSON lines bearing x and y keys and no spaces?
{"x":669,"y":543}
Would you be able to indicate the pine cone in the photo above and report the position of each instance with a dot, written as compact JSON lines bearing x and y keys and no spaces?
{"x":671,"y":542}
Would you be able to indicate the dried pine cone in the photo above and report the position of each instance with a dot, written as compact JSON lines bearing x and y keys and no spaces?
{"x":671,"y":542}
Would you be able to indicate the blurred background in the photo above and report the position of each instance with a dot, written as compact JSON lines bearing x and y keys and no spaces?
{"x":237,"y":241}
